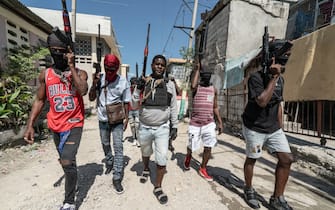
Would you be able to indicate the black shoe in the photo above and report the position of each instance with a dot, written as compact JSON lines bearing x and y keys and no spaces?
{"x":117,"y":186}
{"x":279,"y":203}
{"x":250,"y":197}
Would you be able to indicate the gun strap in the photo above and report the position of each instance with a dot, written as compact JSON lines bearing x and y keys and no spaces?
{"x":156,"y":83}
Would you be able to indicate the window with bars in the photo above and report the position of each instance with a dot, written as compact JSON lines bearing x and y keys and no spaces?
{"x":178,"y":71}
{"x":17,"y":36}
{"x":83,"y":46}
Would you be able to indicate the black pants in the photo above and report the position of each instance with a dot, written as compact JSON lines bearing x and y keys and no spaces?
{"x":68,"y":154}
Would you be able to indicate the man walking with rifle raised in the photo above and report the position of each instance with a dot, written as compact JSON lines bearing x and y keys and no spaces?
{"x":262,"y":121}
{"x":158,"y":106}
{"x":63,"y":86}
{"x":112,"y":92}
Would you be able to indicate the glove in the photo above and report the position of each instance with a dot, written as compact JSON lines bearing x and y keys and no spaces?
{"x":173,"y":133}
{"x":140,"y":84}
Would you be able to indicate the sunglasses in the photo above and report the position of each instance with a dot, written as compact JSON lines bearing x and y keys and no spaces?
{"x":110,"y":68}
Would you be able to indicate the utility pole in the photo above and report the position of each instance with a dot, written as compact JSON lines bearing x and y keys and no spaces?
{"x":73,"y":13}
{"x":187,"y":70}
{"x":194,"y":17}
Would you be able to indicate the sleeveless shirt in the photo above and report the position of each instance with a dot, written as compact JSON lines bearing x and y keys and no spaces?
{"x":203,"y":102}
{"x":66,"y":104}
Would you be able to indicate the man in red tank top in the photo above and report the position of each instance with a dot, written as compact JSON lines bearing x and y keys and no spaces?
{"x":202,"y":124}
{"x":63,"y":86}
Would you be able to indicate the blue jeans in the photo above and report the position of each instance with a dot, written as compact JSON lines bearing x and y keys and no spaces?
{"x":133,"y":120}
{"x":105,"y":135}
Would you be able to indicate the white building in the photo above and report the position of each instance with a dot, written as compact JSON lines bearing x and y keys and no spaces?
{"x":86,"y":39}
{"x":20,"y":27}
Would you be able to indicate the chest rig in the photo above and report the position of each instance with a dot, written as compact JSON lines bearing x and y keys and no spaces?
{"x":156,"y":94}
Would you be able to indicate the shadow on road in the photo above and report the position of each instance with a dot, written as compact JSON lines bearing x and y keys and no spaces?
{"x":86,"y":178}
{"x":317,"y":183}
{"x":138,"y":168}
{"x":231,"y":182}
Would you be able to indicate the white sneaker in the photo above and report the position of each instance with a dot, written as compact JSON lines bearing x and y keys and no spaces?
{"x":68,"y":206}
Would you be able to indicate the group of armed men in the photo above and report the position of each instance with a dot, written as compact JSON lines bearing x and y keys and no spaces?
{"x":152,"y":100}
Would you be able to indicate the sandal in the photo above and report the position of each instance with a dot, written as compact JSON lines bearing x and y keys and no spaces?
{"x":144,"y":176}
{"x":160,"y":195}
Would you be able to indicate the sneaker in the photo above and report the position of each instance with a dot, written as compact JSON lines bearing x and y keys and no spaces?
{"x":250,"y":196}
{"x":187,"y":162}
{"x":68,"y":206}
{"x":118,"y":186}
{"x":203,"y":173}
{"x":279,"y":203}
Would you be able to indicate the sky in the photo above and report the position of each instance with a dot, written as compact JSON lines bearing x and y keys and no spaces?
{"x":130,"y":19}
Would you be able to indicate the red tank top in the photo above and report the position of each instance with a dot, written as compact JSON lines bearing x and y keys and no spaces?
{"x":203,"y":102}
{"x":66,"y":104}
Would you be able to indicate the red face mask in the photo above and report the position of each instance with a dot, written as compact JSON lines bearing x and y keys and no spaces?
{"x":112,"y":64}
{"x":111,"y":76}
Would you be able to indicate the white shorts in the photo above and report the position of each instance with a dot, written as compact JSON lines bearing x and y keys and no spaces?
{"x":201,"y":135}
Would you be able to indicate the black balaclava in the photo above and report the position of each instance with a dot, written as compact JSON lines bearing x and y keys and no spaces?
{"x":59,"y":59}
{"x":205,"y":78}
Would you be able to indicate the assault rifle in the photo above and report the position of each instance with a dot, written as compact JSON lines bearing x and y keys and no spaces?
{"x":67,"y":38}
{"x":278,"y":48}
{"x":146,"y":51}
{"x":266,"y":62}
{"x":97,"y":65}
{"x":136,"y":70}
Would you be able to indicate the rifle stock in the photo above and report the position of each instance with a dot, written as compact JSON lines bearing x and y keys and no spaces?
{"x":146,"y":51}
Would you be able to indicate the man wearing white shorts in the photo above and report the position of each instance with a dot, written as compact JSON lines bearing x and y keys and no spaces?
{"x":202,"y":124}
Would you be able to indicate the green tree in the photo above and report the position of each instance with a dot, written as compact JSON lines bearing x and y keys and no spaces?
{"x":16,"y":95}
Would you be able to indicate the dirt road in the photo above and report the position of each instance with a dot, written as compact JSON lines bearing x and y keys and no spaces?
{"x":28,"y":174}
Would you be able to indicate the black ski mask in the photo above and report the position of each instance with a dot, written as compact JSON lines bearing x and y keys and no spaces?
{"x":205,"y":78}
{"x":58,"y":55}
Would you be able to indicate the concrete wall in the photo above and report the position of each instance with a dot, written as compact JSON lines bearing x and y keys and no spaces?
{"x":235,"y":29}
{"x":34,"y":33}
{"x":246,"y":24}
{"x":86,"y":25}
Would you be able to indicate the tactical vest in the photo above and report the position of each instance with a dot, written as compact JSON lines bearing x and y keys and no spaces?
{"x":156,"y":94}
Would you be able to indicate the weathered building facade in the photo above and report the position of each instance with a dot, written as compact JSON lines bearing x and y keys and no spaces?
{"x":230,"y":35}
{"x":86,"y":40}
{"x":20,"y":27}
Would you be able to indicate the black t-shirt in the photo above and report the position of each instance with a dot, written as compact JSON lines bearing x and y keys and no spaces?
{"x":263,"y":120}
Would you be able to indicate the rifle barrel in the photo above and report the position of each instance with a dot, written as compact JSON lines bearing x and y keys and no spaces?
{"x":146,"y":52}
